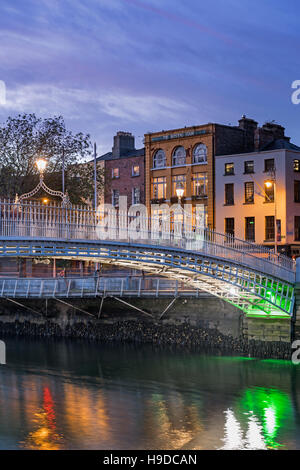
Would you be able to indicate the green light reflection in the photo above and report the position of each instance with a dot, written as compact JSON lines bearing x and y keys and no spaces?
{"x":273,"y":409}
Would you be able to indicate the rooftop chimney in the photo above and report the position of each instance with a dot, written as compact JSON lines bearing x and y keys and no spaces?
{"x":249,"y":126}
{"x":123,"y":143}
{"x":266,"y":134}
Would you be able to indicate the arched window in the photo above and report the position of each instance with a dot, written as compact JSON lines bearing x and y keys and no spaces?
{"x":159,"y":159}
{"x":179,"y":156}
{"x":200,"y":154}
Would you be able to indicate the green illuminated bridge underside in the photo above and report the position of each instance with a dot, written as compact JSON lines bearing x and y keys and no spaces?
{"x":247,"y":287}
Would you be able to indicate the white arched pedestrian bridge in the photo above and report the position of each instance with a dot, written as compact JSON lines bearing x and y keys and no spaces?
{"x":251,"y":277}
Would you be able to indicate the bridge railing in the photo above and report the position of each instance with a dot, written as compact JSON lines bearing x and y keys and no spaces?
{"x":35,"y":220}
{"x":93,"y":287}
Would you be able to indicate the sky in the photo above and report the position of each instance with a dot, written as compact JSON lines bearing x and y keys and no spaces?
{"x":146,"y":65}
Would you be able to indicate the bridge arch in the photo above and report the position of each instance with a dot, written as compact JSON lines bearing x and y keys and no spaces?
{"x":252,"y":291}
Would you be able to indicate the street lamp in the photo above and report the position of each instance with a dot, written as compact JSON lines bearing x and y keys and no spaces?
{"x":268,"y":184}
{"x":41,"y":164}
{"x":271,"y":182}
{"x":179,"y":191}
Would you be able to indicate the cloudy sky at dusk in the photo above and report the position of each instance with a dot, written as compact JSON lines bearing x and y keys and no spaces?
{"x":147,"y":65}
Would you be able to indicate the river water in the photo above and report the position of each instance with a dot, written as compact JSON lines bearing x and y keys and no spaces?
{"x":78,"y":395}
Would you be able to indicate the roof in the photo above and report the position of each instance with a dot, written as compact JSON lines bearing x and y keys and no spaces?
{"x":129,"y":154}
{"x":281,"y":144}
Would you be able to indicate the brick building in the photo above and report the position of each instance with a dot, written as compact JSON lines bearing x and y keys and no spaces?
{"x":124,"y":171}
{"x":186,"y":157}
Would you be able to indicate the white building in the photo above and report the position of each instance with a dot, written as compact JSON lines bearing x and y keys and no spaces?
{"x":250,"y":196}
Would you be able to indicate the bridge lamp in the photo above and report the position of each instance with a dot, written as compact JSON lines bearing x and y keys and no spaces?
{"x":41,"y":164}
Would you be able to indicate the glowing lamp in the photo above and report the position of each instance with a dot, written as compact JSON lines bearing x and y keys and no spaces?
{"x":41,"y":164}
{"x":179,"y":190}
{"x":269,"y":184}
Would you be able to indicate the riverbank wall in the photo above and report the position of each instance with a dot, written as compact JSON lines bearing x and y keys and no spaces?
{"x":203,"y":323}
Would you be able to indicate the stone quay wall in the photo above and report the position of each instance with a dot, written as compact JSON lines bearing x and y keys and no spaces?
{"x":204,"y":323}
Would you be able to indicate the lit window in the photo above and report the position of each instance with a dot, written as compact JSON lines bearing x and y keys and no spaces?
{"x":136,"y":170}
{"x":200,"y":184}
{"x":229,"y":169}
{"x":200,"y":216}
{"x":179,"y":156}
{"x":178,"y":180}
{"x":115,"y":173}
{"x":159,"y":159}
{"x":159,"y":186}
{"x":296,"y":165}
{"x":200,"y":154}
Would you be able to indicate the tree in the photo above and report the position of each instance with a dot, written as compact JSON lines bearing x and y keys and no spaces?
{"x":25,"y":138}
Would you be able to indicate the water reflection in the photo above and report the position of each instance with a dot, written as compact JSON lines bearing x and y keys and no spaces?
{"x":44,"y":436}
{"x":64,"y":395}
{"x":265,"y":412}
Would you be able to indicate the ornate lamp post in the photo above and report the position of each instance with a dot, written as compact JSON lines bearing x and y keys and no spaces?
{"x":41,"y":164}
{"x":180,"y":193}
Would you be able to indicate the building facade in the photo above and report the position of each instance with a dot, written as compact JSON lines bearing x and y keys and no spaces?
{"x":258,"y":196}
{"x":186,"y":158}
{"x":124,"y":172}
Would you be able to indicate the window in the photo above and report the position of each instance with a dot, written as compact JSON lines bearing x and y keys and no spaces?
{"x":179,"y":156}
{"x":136,"y":196}
{"x":136,"y":170}
{"x":159,"y":187}
{"x":199,"y":182}
{"x":200,"y":216}
{"x":115,"y":197}
{"x":229,"y":169}
{"x":297,"y":228}
{"x":200,"y":154}
{"x":249,"y":167}
{"x":296,"y":164}
{"x":269,"y":164}
{"x":269,"y":228}
{"x":296,"y":191}
{"x":159,"y":159}
{"x":177,"y":181}
{"x":250,"y":229}
{"x":269,"y":191}
{"x":229,"y":194}
{"x":249,"y":192}
{"x":115,"y":173}
{"x":229,"y":226}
